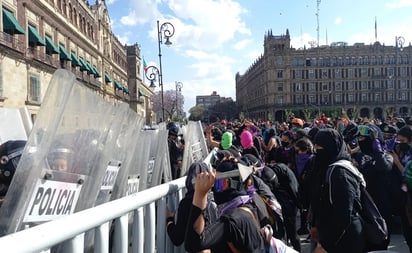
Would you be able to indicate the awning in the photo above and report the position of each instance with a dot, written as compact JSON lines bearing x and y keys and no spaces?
{"x":89,"y":68}
{"x":82,"y":65}
{"x":107,"y":78}
{"x":118,"y":85}
{"x":96,"y":72}
{"x":50,"y":47}
{"x":125,"y":89}
{"x":10,"y":23}
{"x":34,"y":37}
{"x":75,"y":60}
{"x":63,"y":54}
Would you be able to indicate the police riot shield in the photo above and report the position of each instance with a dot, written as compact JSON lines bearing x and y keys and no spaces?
{"x":195,"y":145}
{"x":56,"y":174}
{"x":127,"y":181}
{"x":158,"y":169}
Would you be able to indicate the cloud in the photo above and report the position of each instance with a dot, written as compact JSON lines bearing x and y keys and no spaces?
{"x":399,"y":4}
{"x":338,"y":20}
{"x":109,"y":2}
{"x":242,"y":44}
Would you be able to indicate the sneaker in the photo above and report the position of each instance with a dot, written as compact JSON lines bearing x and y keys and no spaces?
{"x":303,"y":231}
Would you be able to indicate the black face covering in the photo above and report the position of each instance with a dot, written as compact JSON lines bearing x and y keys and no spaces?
{"x":284,"y":143}
{"x":322,"y":158}
{"x":366,"y":146}
{"x":404,"y":147}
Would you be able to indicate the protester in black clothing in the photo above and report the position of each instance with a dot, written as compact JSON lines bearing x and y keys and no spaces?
{"x":335,"y":225}
{"x":238,"y":229}
{"x":304,"y":163}
{"x":176,"y":229}
{"x":10,"y":153}
{"x":175,"y":150}
{"x":286,"y":193}
{"x":402,"y":154}
{"x":375,"y":164}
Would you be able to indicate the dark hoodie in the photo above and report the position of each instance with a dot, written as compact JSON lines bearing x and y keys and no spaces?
{"x":339,"y":227}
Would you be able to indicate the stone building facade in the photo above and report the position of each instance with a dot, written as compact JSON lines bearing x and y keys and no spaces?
{"x":373,"y":81}
{"x":39,"y":36}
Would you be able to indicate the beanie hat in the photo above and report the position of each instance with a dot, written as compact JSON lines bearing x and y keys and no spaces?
{"x":226,"y":140}
{"x":406,"y":131}
{"x":246,"y":139}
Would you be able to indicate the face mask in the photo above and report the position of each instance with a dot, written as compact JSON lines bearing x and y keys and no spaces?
{"x":322,"y":158}
{"x":404,"y":146}
{"x":366,"y":146}
{"x":284,"y":143}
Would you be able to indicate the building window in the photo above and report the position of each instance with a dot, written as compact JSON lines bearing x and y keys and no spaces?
{"x":298,"y":74}
{"x":327,"y":61}
{"x":353,"y":60}
{"x":403,"y":84}
{"x":351,"y":73}
{"x":34,"y":88}
{"x":325,"y":99}
{"x":364,"y":85}
{"x":364,"y":72}
{"x":390,"y":72}
{"x":298,"y":87}
{"x":376,"y":84}
{"x":390,"y":97}
{"x":321,"y":61}
{"x":1,"y":80}
{"x":280,"y":87}
{"x":325,"y":73}
{"x":337,"y":73}
{"x":351,"y":98}
{"x":338,"y":86}
{"x":377,"y":97}
{"x":324,"y":86}
{"x":279,"y":100}
{"x":340,"y":61}
{"x":311,"y":73}
{"x":312,"y":99}
{"x":312,"y":86}
{"x":299,"y":99}
{"x":338,"y":98}
{"x":351,"y":85}
{"x":314,"y":62}
{"x":404,"y":71}
{"x":402,"y":96}
{"x":280,"y":73}
{"x":390,"y":84}
{"x":364,"y":97}
{"x":360,"y":60}
{"x":377,"y":71}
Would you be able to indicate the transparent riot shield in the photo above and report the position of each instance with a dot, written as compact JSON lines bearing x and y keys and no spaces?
{"x":57,"y":173}
{"x":195,"y":145}
{"x":158,"y":169}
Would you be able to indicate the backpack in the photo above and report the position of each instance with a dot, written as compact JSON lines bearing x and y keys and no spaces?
{"x":374,"y":225}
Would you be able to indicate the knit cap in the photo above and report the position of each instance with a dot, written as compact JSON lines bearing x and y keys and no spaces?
{"x":226,"y":140}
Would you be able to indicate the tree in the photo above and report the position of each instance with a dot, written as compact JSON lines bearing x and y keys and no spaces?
{"x":197,"y":113}
{"x":226,"y":110}
{"x":170,"y":104}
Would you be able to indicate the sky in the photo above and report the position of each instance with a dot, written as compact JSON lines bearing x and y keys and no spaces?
{"x":216,"y":39}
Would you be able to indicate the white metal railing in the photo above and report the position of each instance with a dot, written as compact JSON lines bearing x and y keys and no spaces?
{"x":70,"y":230}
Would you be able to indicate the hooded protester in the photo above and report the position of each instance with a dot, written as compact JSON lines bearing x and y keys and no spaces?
{"x":335,"y":224}
{"x":375,"y":164}
{"x":227,"y":144}
{"x":176,"y":229}
{"x":246,"y":140}
{"x":238,"y":229}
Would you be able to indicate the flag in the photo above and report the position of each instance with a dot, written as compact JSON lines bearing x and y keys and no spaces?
{"x":144,"y":66}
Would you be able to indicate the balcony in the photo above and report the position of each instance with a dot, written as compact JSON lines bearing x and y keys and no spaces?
{"x":9,"y":41}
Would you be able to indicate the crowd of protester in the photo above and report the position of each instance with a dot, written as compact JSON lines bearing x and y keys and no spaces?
{"x":291,"y":167}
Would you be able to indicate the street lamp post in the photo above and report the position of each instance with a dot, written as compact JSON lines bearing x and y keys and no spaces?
{"x":179,"y":86}
{"x":399,"y":41}
{"x":151,"y":74}
{"x":166,"y":30}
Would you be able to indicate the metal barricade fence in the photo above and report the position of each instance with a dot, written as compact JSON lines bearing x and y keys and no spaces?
{"x":148,"y":227}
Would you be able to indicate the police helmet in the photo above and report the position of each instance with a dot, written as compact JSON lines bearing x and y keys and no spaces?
{"x":10,"y":153}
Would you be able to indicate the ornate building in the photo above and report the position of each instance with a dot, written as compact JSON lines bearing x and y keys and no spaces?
{"x":372,"y":81}
{"x":40,"y":36}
